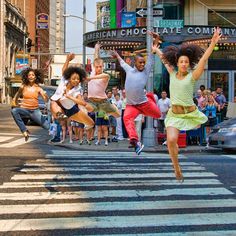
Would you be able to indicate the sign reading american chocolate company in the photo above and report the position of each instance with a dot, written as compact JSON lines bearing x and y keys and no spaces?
{"x":170,"y":34}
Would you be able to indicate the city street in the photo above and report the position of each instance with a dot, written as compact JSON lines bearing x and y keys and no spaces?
{"x":51,"y":190}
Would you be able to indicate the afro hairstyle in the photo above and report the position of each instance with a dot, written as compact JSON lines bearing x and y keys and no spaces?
{"x":171,"y":54}
{"x":74,"y":70}
{"x":38,"y":73}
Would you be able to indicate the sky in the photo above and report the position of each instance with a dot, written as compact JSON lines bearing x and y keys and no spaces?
{"x":74,"y":26}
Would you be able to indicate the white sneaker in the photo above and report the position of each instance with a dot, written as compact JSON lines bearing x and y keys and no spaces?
{"x":97,"y":143}
{"x":88,"y":127}
{"x":106,"y":143}
{"x":71,"y":141}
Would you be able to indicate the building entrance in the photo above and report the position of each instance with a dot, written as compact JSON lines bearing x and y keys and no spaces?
{"x":224,"y":79}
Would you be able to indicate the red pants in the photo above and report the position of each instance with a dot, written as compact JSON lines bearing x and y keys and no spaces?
{"x":148,"y":108}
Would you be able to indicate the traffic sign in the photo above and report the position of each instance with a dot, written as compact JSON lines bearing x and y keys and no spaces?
{"x":168,"y":23}
{"x":142,"y":12}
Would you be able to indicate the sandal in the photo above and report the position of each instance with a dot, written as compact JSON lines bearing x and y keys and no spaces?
{"x":26,"y":135}
{"x":61,"y":116}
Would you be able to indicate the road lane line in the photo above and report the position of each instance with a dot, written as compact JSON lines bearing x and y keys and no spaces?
{"x":17,"y":143}
{"x":109,"y":222}
{"x":19,"y":196}
{"x":107,"y":176}
{"x":115,"y":206}
{"x":95,"y":169}
{"x":4,"y":138}
{"x":202,"y":182}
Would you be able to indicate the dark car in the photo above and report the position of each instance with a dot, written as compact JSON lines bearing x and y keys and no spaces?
{"x":50,"y":90}
{"x":223,"y":135}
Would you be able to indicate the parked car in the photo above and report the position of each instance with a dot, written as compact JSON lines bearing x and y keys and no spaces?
{"x":223,"y":135}
{"x":50,"y":90}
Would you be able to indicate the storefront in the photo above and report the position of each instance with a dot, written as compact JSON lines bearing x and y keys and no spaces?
{"x":129,"y":40}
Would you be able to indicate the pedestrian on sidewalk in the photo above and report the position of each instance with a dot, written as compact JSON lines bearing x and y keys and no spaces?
{"x":28,"y":107}
{"x":190,"y":61}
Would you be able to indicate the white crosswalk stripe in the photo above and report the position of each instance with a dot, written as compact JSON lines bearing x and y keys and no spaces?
{"x":13,"y":140}
{"x":96,"y":193}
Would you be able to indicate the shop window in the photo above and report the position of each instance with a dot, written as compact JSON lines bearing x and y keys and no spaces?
{"x":219,"y":20}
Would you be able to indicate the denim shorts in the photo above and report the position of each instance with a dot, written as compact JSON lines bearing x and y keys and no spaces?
{"x":101,"y":121}
{"x":70,"y":112}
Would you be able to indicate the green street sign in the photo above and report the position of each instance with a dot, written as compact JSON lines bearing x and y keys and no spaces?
{"x":168,"y":23}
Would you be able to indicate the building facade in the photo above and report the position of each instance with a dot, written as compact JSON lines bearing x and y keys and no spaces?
{"x":178,"y":21}
{"x":30,"y":32}
{"x":13,"y":31}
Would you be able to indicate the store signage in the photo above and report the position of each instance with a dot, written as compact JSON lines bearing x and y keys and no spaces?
{"x":128,"y":19}
{"x":168,"y":23}
{"x":42,"y":21}
{"x":187,"y":32}
{"x":142,"y":12}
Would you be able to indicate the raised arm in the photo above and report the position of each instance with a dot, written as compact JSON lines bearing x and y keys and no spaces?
{"x":202,"y":62}
{"x":156,"y":49}
{"x":97,"y":50}
{"x":69,"y":58}
{"x":123,"y":64}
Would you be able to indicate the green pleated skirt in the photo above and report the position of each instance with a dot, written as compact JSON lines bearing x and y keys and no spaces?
{"x":186,"y":121}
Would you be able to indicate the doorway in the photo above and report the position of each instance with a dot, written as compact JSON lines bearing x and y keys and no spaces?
{"x":224,"y":79}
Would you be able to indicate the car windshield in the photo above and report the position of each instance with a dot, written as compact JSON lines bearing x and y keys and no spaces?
{"x":49,"y":91}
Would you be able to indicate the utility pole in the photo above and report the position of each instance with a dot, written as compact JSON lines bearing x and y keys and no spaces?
{"x":84,"y":31}
{"x":149,"y":133}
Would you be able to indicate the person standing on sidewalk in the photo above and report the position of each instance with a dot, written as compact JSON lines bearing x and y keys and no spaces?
{"x":29,"y":93}
{"x":138,"y":101}
{"x":190,"y":61}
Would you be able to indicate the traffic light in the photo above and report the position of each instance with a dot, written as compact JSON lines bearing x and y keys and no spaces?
{"x":28,"y":44}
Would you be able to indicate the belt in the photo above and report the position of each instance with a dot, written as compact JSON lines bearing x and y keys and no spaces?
{"x":97,"y":99}
{"x":178,"y":109}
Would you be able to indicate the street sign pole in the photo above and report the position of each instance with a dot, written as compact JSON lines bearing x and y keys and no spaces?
{"x":149,"y":133}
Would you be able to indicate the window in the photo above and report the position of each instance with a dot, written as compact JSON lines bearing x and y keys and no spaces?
{"x":214,"y":19}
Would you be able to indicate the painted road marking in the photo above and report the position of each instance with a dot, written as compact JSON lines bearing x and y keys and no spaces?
{"x":19,"y":196}
{"x":105,"y":183}
{"x":109,"y":222}
{"x":115,"y":206}
{"x":107,"y":176}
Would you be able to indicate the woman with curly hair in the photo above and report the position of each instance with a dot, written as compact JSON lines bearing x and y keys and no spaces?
{"x":68,"y":96}
{"x":185,"y":65}
{"x":29,"y":92}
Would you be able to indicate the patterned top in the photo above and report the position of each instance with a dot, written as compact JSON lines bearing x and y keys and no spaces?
{"x":181,"y":91}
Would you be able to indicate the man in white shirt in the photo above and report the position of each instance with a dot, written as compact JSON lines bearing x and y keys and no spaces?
{"x":164,"y":105}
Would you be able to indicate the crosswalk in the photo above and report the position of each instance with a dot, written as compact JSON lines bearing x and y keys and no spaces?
{"x":12,"y":140}
{"x":105,"y":193}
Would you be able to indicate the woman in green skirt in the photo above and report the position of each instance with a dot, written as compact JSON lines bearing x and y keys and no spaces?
{"x":185,"y":65}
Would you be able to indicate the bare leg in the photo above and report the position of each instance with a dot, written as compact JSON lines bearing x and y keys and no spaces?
{"x":83,"y":118}
{"x":172,"y":138}
{"x":55,"y":108}
{"x":116,"y":113}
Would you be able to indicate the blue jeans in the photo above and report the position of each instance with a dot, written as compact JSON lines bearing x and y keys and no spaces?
{"x":35,"y":115}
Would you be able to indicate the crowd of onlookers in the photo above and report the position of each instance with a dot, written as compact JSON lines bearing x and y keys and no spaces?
{"x":110,"y":129}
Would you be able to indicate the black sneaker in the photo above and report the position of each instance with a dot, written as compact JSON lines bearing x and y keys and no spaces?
{"x":139,"y":147}
{"x":114,"y":139}
{"x":54,"y":140}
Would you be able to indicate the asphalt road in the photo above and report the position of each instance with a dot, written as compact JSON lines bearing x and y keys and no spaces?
{"x":50,"y":190}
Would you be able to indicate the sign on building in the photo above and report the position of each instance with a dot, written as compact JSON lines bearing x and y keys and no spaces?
{"x":42,"y":21}
{"x":168,"y":23}
{"x":103,"y":15}
{"x":128,"y":19}
{"x":142,"y":12}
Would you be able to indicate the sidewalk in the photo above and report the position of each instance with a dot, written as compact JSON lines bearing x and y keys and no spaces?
{"x":122,"y":146}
